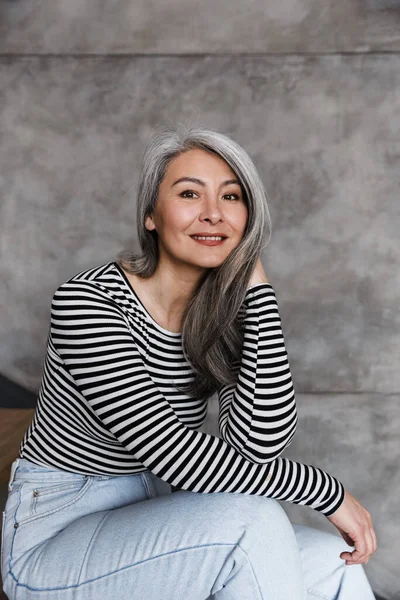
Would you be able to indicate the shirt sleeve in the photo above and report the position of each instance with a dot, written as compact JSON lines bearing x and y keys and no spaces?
{"x":94,"y":338}
{"x":258,"y":415}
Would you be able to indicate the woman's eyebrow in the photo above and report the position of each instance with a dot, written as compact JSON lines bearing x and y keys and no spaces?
{"x":201,"y":182}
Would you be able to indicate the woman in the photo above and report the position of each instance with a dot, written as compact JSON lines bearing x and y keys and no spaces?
{"x":135,"y":349}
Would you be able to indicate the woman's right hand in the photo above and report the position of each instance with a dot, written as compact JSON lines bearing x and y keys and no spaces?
{"x":354,"y":523}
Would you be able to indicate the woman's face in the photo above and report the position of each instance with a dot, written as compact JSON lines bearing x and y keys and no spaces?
{"x":212,"y":201}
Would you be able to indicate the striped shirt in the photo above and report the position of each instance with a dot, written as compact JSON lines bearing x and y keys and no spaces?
{"x":108,"y":405}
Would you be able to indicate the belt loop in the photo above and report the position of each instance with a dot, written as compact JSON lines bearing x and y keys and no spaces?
{"x":12,"y":474}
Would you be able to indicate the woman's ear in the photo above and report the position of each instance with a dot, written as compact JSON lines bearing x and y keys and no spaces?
{"x":149,"y":223}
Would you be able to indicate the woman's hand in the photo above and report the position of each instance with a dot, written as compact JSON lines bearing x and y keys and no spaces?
{"x":354,"y":523}
{"x":258,"y":275}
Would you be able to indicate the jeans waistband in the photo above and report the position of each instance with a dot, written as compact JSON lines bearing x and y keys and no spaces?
{"x":23,"y":468}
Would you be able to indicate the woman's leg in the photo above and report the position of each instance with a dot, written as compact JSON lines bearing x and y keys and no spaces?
{"x":174,"y":546}
{"x":326,"y":575}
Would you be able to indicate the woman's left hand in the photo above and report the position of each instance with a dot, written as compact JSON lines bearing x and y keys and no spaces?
{"x":354,"y":523}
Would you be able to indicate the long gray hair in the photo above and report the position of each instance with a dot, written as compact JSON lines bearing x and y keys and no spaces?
{"x":212,"y":330}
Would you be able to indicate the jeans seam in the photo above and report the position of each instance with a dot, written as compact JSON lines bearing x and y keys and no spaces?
{"x":2,"y":542}
{"x":148,"y":484}
{"x":90,"y":544}
{"x":76,"y":585}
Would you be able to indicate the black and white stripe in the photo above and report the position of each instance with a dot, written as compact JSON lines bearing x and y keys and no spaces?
{"x":108,"y":403}
{"x":258,"y":415}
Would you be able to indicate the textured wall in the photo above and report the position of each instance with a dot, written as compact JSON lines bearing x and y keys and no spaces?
{"x":177,"y":27}
{"x":312,"y":91}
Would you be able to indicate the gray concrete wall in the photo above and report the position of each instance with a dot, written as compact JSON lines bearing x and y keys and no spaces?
{"x":312,"y":91}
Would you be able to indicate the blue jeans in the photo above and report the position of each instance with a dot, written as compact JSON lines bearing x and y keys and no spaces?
{"x":69,"y":536}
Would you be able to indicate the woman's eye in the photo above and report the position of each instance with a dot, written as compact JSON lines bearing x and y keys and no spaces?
{"x":235,"y":196}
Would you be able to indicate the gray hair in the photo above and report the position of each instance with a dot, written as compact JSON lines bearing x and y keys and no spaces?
{"x":212,"y":330}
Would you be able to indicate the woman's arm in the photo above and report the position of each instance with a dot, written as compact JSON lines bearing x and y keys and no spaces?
{"x":258,"y":415}
{"x":94,"y":338}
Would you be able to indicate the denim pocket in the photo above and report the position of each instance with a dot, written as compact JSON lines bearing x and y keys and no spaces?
{"x":45,"y":497}
{"x":41,"y":498}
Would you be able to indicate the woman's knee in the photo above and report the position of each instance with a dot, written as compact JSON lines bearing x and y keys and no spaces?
{"x":248,"y":512}
{"x":259,"y":509}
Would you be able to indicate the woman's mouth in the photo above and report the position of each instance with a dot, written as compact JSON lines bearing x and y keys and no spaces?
{"x":208,"y":240}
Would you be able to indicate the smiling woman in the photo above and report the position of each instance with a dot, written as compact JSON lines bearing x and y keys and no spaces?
{"x":200,"y":183}
{"x":135,"y":348}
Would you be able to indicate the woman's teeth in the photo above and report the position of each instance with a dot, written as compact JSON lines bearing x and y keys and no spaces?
{"x":208,"y":237}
